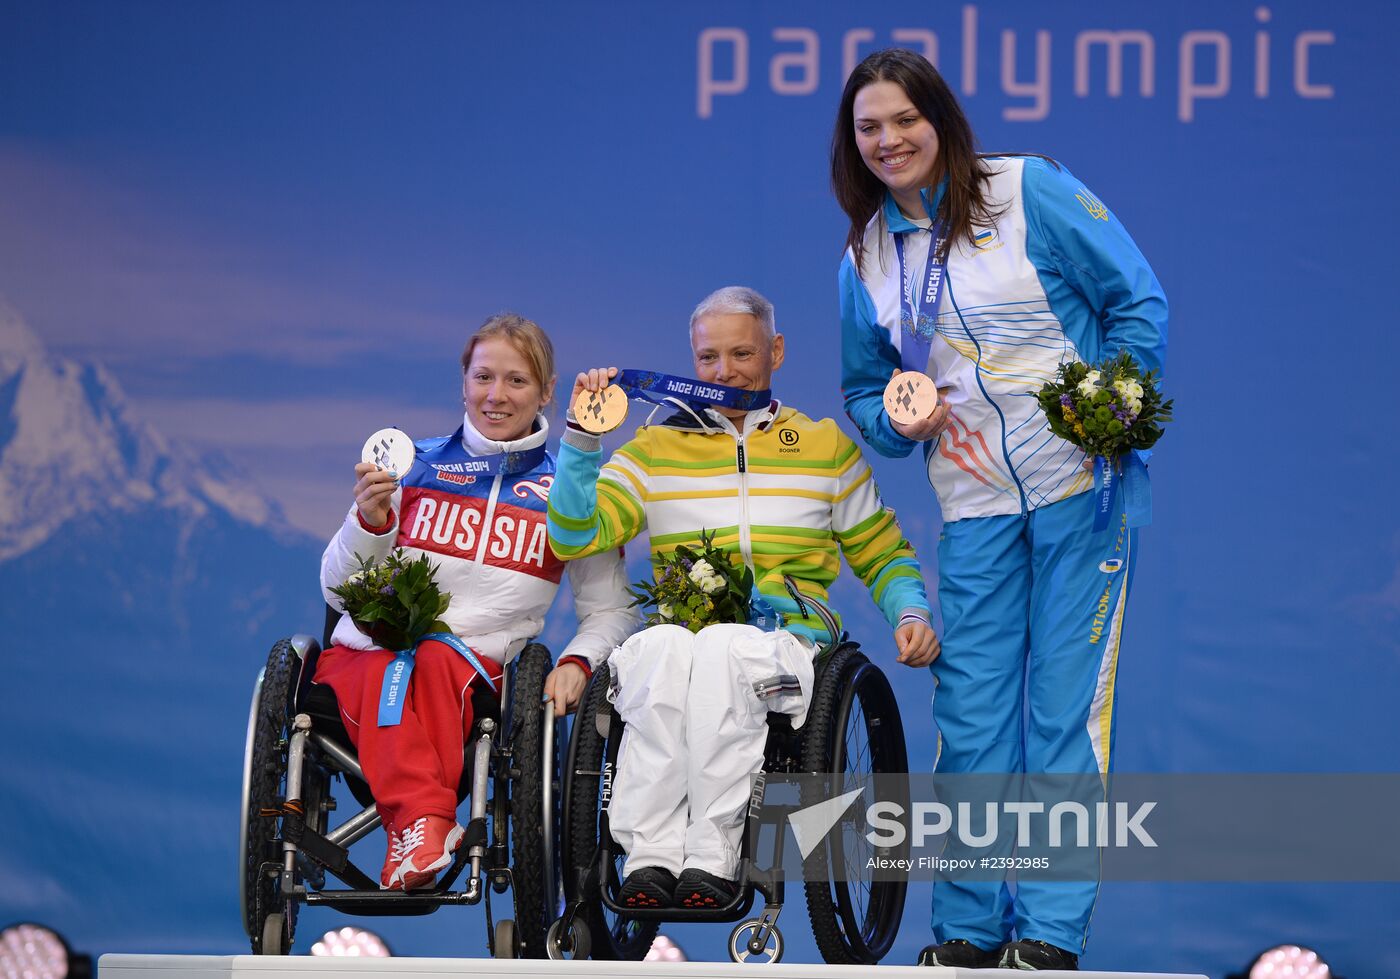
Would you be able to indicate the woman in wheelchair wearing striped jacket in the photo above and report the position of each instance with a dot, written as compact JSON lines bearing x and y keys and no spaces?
{"x":486,"y":534}
{"x":784,"y":494}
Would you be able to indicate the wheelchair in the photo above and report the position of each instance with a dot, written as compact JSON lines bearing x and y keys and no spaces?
{"x":852,"y":731}
{"x":297,"y":747}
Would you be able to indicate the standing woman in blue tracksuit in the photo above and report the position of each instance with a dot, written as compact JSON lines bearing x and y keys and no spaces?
{"x":1035,"y":271}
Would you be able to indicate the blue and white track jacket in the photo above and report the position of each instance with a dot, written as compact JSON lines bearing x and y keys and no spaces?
{"x":1056,"y":278}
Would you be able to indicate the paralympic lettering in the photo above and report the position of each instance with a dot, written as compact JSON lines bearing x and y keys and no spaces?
{"x":1204,"y":62}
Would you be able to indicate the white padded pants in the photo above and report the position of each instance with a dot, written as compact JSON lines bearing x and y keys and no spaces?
{"x":696,"y":710}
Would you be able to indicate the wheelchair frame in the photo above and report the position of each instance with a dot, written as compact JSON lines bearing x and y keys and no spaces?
{"x":845,"y":931}
{"x":287,"y":848}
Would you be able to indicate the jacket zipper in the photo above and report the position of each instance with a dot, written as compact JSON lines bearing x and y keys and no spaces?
{"x":745,"y":538}
{"x":977,"y":371}
{"x":485,"y":532}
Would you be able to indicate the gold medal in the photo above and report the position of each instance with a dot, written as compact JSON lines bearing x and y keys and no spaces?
{"x":600,"y":412}
{"x":910,"y":397}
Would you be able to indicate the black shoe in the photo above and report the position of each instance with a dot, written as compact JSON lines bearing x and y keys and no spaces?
{"x":958,"y":953}
{"x":649,"y":887}
{"x":1031,"y":954}
{"x":697,"y":889}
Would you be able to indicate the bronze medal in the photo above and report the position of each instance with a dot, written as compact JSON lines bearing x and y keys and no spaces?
{"x":600,"y":412}
{"x":910,"y":397}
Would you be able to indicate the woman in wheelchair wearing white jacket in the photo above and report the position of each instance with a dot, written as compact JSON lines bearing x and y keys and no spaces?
{"x":487,"y":536}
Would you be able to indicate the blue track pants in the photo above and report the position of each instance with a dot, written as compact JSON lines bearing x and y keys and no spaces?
{"x":1033,"y":617}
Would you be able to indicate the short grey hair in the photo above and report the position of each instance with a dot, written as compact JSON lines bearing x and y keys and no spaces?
{"x":736,"y":299}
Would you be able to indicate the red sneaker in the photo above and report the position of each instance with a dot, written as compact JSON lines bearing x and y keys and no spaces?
{"x":389,"y":876}
{"x":426,"y":845}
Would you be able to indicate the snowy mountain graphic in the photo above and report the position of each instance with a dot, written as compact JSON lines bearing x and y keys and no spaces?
{"x":71,"y":446}
{"x":141,"y":585}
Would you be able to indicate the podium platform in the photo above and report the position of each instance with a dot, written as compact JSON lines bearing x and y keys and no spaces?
{"x":300,"y":966}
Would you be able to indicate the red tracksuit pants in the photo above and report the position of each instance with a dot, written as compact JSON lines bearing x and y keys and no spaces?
{"x":414,"y":767}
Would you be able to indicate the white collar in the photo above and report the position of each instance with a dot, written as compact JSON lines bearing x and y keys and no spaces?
{"x":479,"y":445}
{"x":753,"y":420}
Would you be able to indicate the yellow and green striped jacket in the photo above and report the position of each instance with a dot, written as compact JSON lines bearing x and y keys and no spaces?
{"x":784,"y":495}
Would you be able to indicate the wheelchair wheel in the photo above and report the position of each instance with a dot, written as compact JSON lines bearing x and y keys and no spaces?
{"x":269,"y":920}
{"x":534,"y":832}
{"x":853,"y":730}
{"x":744,"y":933}
{"x":575,"y":946}
{"x":613,"y":936}
{"x":505,"y":941}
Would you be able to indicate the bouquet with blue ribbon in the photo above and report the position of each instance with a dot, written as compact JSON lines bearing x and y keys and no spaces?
{"x":395,"y":602}
{"x":1114,"y":412}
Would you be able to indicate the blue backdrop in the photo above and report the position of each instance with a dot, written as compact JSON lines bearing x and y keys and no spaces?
{"x":236,"y":239}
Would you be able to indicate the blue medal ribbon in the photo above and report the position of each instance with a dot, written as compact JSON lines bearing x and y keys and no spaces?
{"x":400,"y":668}
{"x":1137,"y":489}
{"x":918,"y":314}
{"x":502,"y":463}
{"x":658,"y":388}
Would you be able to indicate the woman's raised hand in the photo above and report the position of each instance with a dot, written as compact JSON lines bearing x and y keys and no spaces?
{"x":592,"y":380}
{"x":374,"y":488}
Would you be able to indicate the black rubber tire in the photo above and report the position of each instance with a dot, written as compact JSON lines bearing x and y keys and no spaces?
{"x":613,"y":937}
{"x":504,"y":941}
{"x":267,"y":778}
{"x":845,"y":931}
{"x":274,"y":938}
{"x":580,"y":946}
{"x":536,"y":900}
{"x":739,"y":939}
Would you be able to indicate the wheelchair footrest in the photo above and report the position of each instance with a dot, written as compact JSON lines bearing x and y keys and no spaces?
{"x":313,"y":845}
{"x":380,"y":902}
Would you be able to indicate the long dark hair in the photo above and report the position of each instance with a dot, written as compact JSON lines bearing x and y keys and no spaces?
{"x":860,"y":193}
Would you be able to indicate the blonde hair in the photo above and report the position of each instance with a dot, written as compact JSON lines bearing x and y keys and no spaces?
{"x":525,"y":336}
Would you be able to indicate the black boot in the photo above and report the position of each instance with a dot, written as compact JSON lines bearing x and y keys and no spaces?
{"x":958,"y":953}
{"x":649,"y":887}
{"x":1031,"y":954}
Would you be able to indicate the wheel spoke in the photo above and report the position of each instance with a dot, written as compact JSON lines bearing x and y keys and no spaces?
{"x":857,"y":849}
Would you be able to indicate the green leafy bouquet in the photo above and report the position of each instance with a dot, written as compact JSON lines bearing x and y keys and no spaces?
{"x":1106,"y":410}
{"x":396,"y":602}
{"x":694,"y":588}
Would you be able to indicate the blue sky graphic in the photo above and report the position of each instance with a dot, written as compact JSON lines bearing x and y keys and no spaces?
{"x":276,"y":225}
